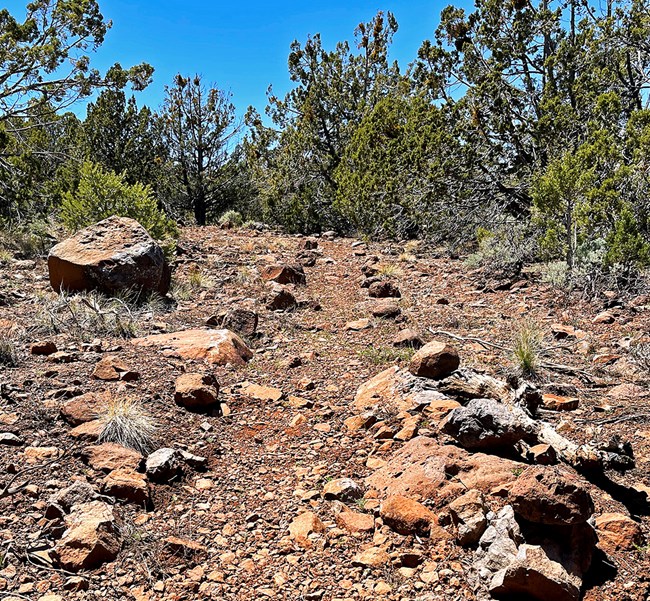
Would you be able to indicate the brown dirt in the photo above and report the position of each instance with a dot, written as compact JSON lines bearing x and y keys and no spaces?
{"x":259,"y":464}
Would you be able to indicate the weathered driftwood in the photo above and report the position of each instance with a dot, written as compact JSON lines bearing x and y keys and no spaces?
{"x":489,"y":423}
{"x":467,"y":384}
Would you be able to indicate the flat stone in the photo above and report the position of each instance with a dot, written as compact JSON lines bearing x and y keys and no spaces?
{"x":110,"y":456}
{"x":218,"y":347}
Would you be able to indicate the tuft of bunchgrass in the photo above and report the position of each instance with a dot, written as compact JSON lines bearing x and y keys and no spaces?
{"x":126,"y":422}
{"x":388,"y":271}
{"x":8,"y":352}
{"x":527,"y":347}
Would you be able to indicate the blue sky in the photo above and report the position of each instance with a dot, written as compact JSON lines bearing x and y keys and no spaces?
{"x":241,"y":46}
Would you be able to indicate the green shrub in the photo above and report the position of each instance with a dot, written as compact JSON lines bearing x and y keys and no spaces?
{"x":102,"y":193}
{"x":233,"y":217}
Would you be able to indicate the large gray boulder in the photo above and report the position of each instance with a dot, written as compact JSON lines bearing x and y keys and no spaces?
{"x":116,"y":254}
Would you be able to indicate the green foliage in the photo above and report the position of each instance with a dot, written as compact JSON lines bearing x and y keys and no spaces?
{"x":294,"y":163}
{"x":124,"y":139}
{"x":198,"y":127}
{"x":231,"y":217}
{"x":102,"y":193}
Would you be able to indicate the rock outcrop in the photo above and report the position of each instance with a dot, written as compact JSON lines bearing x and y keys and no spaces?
{"x":116,"y":254}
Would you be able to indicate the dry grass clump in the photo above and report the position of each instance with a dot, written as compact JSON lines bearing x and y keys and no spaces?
{"x":8,"y":351}
{"x":127,"y":423}
{"x":388,"y":271}
{"x":527,"y":348}
{"x":87,"y":315}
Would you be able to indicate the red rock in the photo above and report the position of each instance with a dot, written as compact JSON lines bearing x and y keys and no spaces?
{"x":91,"y":538}
{"x":385,"y":309}
{"x":342,"y":489}
{"x":262,"y":393}
{"x":113,"y":255}
{"x":305,"y":524}
{"x":408,"y":339}
{"x":355,"y":522}
{"x":217,"y":347}
{"x":434,"y":360}
{"x":438,"y":409}
{"x":559,"y":403}
{"x":44,"y":347}
{"x":113,"y":368}
{"x":406,"y":516}
{"x":88,"y":431}
{"x":284,"y":274}
{"x":542,"y":454}
{"x":84,"y":408}
{"x":196,"y":391}
{"x":280,"y":299}
{"x":617,"y":532}
{"x":110,"y":456}
{"x":128,"y":485}
{"x":384,"y":289}
{"x":420,"y":470}
{"x":551,"y":495}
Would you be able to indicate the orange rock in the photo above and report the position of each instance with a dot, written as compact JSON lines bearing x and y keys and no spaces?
{"x":438,"y":409}
{"x":218,"y":347}
{"x":196,"y":391}
{"x":128,"y":485}
{"x":91,"y":539}
{"x":89,"y":431}
{"x":355,"y":522}
{"x":262,"y":393}
{"x":112,"y":255}
{"x":305,"y":524}
{"x":371,"y":558}
{"x":559,"y":403}
{"x":84,"y":408}
{"x":284,"y":274}
{"x":113,"y":368}
{"x":434,"y":360}
{"x":617,"y":532}
{"x":110,"y":456}
{"x":420,"y":469}
{"x":406,"y":516}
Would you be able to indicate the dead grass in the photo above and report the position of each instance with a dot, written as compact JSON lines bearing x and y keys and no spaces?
{"x":126,"y":422}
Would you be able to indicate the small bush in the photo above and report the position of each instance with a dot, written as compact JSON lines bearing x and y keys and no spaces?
{"x":8,"y":352}
{"x":232,"y":217}
{"x":125,"y":422}
{"x":101,"y":194}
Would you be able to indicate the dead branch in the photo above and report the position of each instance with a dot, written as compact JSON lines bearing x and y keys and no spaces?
{"x":8,"y":490}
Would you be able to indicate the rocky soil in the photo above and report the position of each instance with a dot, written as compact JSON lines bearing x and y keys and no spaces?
{"x":303,"y":449}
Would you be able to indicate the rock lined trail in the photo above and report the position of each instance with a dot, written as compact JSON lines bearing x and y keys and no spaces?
{"x":315,"y":440}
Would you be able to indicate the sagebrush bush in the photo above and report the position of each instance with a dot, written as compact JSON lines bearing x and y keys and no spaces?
{"x":233,"y":217}
{"x":103,"y":193}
